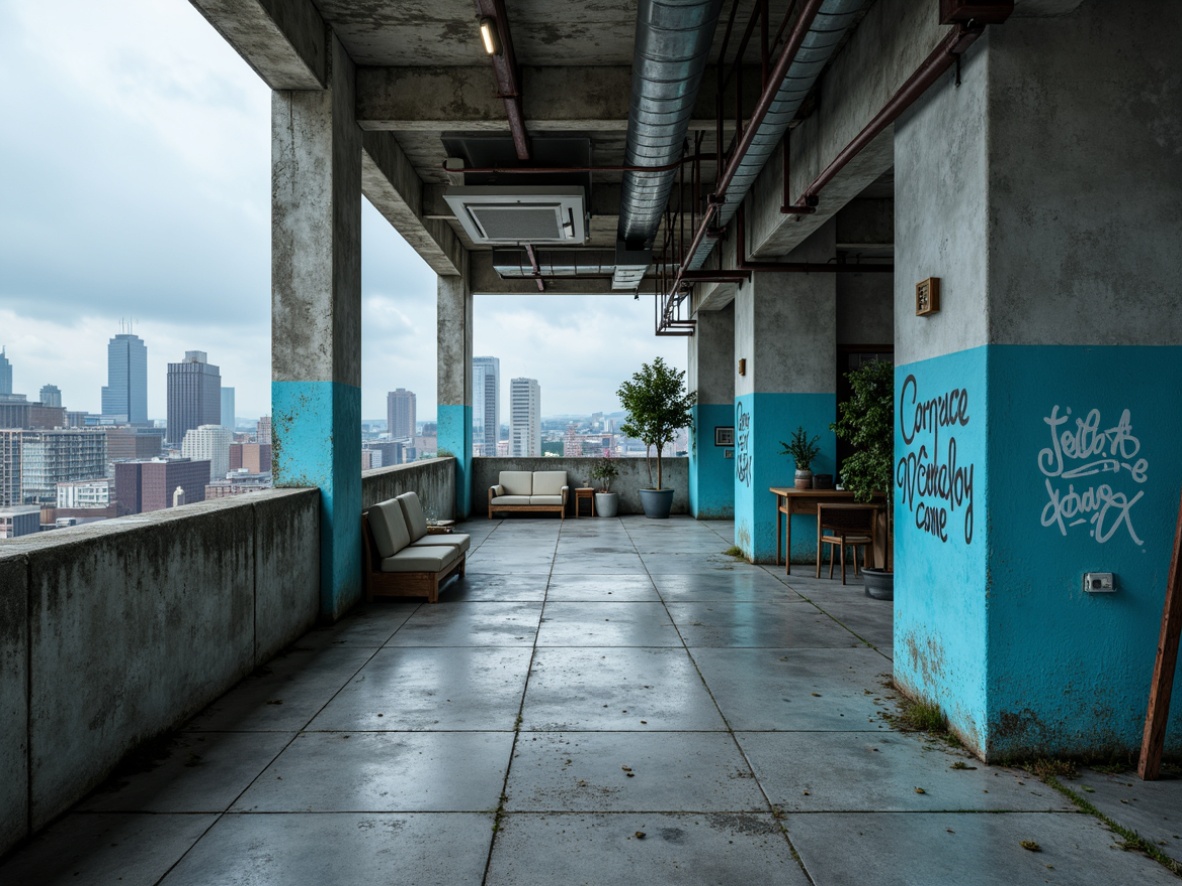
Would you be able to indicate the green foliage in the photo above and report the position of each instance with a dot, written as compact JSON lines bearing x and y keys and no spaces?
{"x":657,"y":405}
{"x":604,"y":470}
{"x":802,"y":449}
{"x":867,"y":420}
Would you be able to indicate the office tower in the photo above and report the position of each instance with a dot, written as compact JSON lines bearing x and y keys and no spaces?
{"x":525,"y":418}
{"x":125,"y":395}
{"x":262,"y":432}
{"x":51,"y":395}
{"x":210,"y":443}
{"x":133,"y":443}
{"x":254,"y":458}
{"x":400,"y":414}
{"x":194,"y":395}
{"x":14,"y":411}
{"x":142,"y":486}
{"x":5,"y":373}
{"x":572,"y":446}
{"x":58,"y":456}
{"x":227,"y":408}
{"x":10,"y":467}
{"x":486,"y":404}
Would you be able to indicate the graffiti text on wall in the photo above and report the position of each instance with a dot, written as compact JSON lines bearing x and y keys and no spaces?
{"x":933,"y":482}
{"x":743,"y":444}
{"x":1080,"y":449}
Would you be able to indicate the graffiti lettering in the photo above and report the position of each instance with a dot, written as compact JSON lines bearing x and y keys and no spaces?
{"x":1083,"y":449}
{"x":743,"y":445}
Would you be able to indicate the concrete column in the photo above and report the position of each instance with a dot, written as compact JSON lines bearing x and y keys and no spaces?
{"x":454,"y":325}
{"x":316,"y":316}
{"x":1036,"y":433}
{"x":786,"y":332}
{"x":712,"y":374}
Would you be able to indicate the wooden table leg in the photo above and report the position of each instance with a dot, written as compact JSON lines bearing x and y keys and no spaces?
{"x":787,"y":541}
{"x":778,"y":519}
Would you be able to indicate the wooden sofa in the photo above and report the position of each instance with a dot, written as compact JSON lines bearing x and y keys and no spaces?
{"x":529,"y":491}
{"x":400,"y":558}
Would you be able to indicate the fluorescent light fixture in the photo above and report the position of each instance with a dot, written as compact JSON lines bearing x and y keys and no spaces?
{"x":488,"y":34}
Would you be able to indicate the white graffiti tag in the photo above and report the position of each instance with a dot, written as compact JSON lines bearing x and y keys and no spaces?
{"x":1081,"y":450}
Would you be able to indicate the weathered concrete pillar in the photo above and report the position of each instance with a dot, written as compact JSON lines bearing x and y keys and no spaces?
{"x":712,"y":374}
{"x":785,"y":333}
{"x":1037,"y":417}
{"x":316,"y":316}
{"x":454,"y":324}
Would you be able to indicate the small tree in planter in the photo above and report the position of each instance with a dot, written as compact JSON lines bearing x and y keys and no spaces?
{"x":867,"y":420}
{"x":657,"y":405}
{"x":803,"y":451}
{"x":602,"y":473}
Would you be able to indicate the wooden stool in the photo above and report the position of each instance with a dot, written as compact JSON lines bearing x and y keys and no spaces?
{"x":840,"y":540}
{"x":841,"y":526}
{"x":581,"y":493}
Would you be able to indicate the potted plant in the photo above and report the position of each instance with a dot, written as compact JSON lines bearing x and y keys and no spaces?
{"x":607,"y":503}
{"x":867,"y":420}
{"x":658,"y":406}
{"x":803,"y":451}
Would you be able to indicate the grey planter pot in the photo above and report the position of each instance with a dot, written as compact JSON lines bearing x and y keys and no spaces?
{"x":607,"y":504}
{"x":880,"y":584}
{"x":657,"y":503}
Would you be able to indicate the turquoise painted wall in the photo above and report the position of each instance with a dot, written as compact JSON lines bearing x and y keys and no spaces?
{"x":711,"y":474}
{"x":762,"y":421}
{"x":454,"y":430}
{"x":1066,"y":457}
{"x":316,"y":438}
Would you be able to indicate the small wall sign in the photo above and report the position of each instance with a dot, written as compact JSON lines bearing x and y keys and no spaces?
{"x":927,"y":296}
{"x":724,"y":436}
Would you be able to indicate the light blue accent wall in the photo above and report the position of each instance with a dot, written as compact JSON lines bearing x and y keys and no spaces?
{"x":941,"y":544}
{"x":711,"y":474}
{"x":455,"y":438}
{"x":762,"y":421}
{"x":316,"y":439}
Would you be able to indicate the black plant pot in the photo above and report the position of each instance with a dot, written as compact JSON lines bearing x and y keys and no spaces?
{"x":880,"y":584}
{"x":657,"y":503}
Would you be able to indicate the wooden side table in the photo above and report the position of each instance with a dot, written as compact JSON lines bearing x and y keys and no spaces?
{"x":584,"y":492}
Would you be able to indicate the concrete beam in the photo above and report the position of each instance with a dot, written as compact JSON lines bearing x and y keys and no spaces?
{"x":866,"y":222}
{"x":555,"y":99}
{"x":284,"y":41}
{"x":391,"y":184}
{"x":486,"y":281}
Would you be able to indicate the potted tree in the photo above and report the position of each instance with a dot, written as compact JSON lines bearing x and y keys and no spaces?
{"x":803,"y":451}
{"x":607,"y":503}
{"x":657,"y":405}
{"x":867,"y":420}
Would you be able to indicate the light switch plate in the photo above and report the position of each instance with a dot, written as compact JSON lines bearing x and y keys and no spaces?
{"x":1099,"y":583}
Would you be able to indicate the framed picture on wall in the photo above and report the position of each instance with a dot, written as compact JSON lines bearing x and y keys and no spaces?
{"x":724,"y":436}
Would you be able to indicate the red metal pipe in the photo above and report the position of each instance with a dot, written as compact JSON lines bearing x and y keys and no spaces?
{"x":505,"y":67}
{"x":533,"y":263}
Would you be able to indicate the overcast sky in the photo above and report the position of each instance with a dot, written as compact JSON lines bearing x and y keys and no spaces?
{"x":135,"y":183}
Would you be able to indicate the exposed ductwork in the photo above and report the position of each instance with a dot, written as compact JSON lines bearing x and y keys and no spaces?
{"x":673,"y":40}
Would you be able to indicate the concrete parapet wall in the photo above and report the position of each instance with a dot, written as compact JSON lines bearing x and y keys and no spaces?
{"x":633,"y":477}
{"x":115,"y":632}
{"x":434,"y":480}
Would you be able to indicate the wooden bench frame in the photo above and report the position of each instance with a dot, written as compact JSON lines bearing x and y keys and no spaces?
{"x":540,"y":509}
{"x":400,"y":584}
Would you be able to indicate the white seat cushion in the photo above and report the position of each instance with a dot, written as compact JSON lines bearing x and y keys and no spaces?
{"x":545,"y":499}
{"x":388,"y":526}
{"x":506,"y":500}
{"x":412,"y":510}
{"x":458,"y":539}
{"x":549,"y":482}
{"x":517,"y":482}
{"x":422,"y":558}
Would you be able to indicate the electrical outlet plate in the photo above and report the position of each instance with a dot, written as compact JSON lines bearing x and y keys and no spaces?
{"x":1098,"y":583}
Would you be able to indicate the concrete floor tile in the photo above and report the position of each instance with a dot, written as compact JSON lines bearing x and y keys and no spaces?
{"x":603,"y":564}
{"x":384,"y":772}
{"x":543,"y":850}
{"x":195,"y":772}
{"x":601,"y":588}
{"x":607,"y":624}
{"x":798,"y":689}
{"x":471,"y":624}
{"x":490,"y":587}
{"x":370,"y":624}
{"x":880,"y":771}
{"x":411,"y":688}
{"x":284,"y":695}
{"x":617,"y":689}
{"x":1151,"y":808}
{"x":908,"y":848}
{"x":746,"y":624}
{"x":697,"y":562}
{"x":426,"y":849}
{"x":749,"y":584}
{"x":631,"y":772}
{"x":100,"y":849}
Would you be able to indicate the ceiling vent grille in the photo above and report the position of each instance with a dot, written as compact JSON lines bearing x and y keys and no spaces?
{"x":492,"y":215}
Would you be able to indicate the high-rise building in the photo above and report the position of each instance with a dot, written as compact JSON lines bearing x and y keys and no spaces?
{"x":210,"y":443}
{"x":142,"y":486}
{"x":194,"y":395}
{"x":400,"y":414}
{"x":254,"y":458}
{"x":10,"y":467}
{"x":572,"y":445}
{"x":132,"y":443}
{"x":51,"y":395}
{"x":125,"y":395}
{"x":262,"y":432}
{"x":5,"y":373}
{"x":486,"y":404}
{"x":227,"y":408}
{"x":14,"y":411}
{"x":58,"y":456}
{"x":525,"y":418}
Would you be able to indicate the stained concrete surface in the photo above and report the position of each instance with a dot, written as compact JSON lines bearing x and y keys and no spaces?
{"x":728,"y":727}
